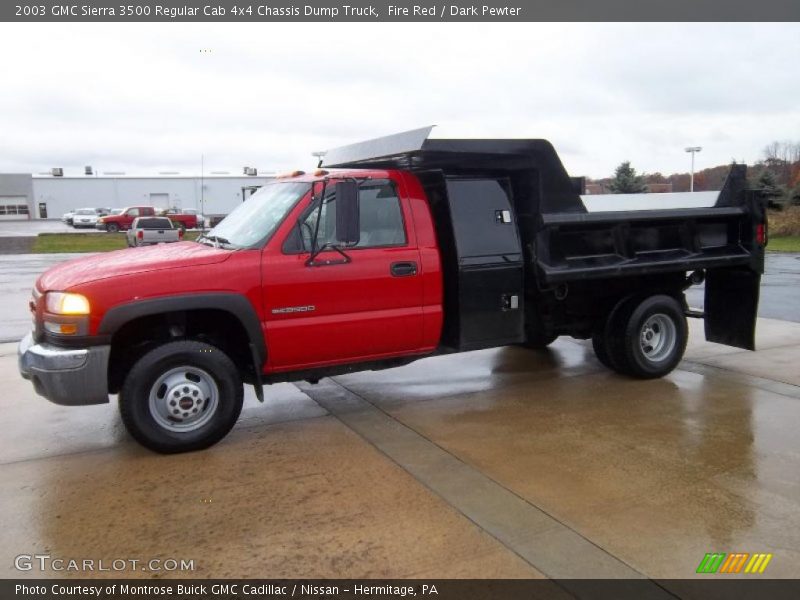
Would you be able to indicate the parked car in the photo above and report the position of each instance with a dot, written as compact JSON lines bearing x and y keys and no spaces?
{"x":430,"y":247}
{"x":67,"y":216}
{"x":122,"y":221}
{"x":146,"y":231}
{"x":116,"y":211}
{"x":85,"y":217}
{"x":185,"y":219}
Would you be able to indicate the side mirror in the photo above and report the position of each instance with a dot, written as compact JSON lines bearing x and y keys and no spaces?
{"x":348,"y":226}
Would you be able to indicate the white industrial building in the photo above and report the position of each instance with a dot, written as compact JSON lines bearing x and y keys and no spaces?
{"x":50,"y":195}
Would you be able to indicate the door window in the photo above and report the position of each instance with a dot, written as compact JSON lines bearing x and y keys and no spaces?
{"x":380,"y":215}
{"x":134,"y":212}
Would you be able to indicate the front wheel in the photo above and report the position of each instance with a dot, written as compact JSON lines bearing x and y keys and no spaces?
{"x":112,"y":228}
{"x":181,"y":396}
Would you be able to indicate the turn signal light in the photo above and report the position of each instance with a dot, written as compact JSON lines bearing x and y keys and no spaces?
{"x":61,"y":328}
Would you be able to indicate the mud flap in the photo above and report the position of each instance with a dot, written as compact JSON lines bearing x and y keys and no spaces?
{"x":731,"y":306}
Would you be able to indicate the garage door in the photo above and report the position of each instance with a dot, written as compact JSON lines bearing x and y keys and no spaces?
{"x":13,"y":208}
{"x":159,"y":200}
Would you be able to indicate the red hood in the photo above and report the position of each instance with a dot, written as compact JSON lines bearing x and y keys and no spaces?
{"x":128,"y":262}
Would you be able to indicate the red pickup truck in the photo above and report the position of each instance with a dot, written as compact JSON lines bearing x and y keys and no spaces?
{"x":122,"y":221}
{"x":182,"y":220}
{"x":398,"y":249}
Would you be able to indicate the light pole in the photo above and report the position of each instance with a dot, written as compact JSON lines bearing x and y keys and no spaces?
{"x":693,"y":150}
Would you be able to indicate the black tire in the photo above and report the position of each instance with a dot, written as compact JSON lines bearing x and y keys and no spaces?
{"x":661,"y":317}
{"x":607,"y":341}
{"x":214,"y":367}
{"x":112,"y":228}
{"x":600,"y":349}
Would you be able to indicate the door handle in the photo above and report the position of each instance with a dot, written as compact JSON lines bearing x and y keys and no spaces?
{"x":403,"y":269}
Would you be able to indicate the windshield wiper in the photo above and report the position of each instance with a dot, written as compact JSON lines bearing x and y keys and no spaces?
{"x":216,"y":240}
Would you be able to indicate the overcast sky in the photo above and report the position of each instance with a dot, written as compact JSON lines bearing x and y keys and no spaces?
{"x":143,"y":97}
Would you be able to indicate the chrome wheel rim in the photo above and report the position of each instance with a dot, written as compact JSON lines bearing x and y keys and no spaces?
{"x":658,"y":337}
{"x":183,"y":399}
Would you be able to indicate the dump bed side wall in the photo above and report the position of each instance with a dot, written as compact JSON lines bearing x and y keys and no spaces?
{"x":644,"y":247}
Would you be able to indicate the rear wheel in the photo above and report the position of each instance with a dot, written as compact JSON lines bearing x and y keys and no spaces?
{"x":645,"y":339}
{"x":606,"y":341}
{"x":181,"y":396}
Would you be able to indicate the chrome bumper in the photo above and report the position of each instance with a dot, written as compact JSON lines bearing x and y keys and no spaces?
{"x":72,"y":377}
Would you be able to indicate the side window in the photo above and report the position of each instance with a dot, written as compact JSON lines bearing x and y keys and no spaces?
{"x":380,"y":214}
{"x":134,"y":212}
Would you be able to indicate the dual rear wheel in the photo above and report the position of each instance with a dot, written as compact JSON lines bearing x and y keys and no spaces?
{"x":642,"y":338}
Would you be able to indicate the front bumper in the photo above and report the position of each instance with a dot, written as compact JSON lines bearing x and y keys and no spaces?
{"x":72,"y":377}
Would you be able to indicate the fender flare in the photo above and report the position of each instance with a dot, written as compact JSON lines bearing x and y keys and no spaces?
{"x":236,"y":304}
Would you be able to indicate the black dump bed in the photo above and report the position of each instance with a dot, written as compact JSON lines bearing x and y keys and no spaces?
{"x":515,"y":231}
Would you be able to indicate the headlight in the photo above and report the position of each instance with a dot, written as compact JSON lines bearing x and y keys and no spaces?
{"x":101,"y":220}
{"x":63,"y":303}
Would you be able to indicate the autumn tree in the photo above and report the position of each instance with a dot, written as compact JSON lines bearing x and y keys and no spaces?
{"x":627,"y":181}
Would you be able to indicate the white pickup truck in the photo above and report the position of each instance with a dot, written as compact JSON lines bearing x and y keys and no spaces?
{"x":146,"y":231}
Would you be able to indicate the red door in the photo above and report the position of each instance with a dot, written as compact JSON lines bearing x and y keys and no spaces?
{"x":368,"y":308}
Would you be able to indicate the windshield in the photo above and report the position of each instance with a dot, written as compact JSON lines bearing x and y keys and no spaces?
{"x":259,"y":217}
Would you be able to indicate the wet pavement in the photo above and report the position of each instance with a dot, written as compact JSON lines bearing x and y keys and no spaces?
{"x":18,"y":273}
{"x":497,"y":463}
{"x":33,"y":228}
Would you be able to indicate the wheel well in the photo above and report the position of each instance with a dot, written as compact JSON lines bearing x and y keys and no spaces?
{"x":217,"y":327}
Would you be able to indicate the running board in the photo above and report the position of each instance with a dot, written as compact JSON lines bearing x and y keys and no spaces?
{"x":695,"y":313}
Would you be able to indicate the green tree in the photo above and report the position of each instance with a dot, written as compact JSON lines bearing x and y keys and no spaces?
{"x":627,"y":181}
{"x":767,"y":184}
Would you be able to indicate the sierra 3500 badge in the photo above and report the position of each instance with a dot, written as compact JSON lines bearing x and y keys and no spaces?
{"x":293,"y":309}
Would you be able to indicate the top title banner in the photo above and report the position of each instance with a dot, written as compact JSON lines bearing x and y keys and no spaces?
{"x":400,"y":10}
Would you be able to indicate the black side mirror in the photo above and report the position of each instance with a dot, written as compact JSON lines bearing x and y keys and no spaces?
{"x":348,"y":226}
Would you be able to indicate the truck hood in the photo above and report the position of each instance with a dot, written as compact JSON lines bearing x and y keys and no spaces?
{"x":129,"y":262}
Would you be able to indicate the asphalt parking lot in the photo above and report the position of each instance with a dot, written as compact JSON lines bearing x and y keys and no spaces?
{"x":35,"y":227}
{"x":500,"y":463}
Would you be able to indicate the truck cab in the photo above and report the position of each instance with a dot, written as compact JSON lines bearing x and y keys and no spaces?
{"x":398,"y":249}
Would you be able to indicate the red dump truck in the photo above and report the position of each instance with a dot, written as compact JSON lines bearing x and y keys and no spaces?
{"x":397,"y":249}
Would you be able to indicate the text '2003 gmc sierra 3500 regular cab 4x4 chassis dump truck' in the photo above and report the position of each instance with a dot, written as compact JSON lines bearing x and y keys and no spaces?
{"x":398,"y":248}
